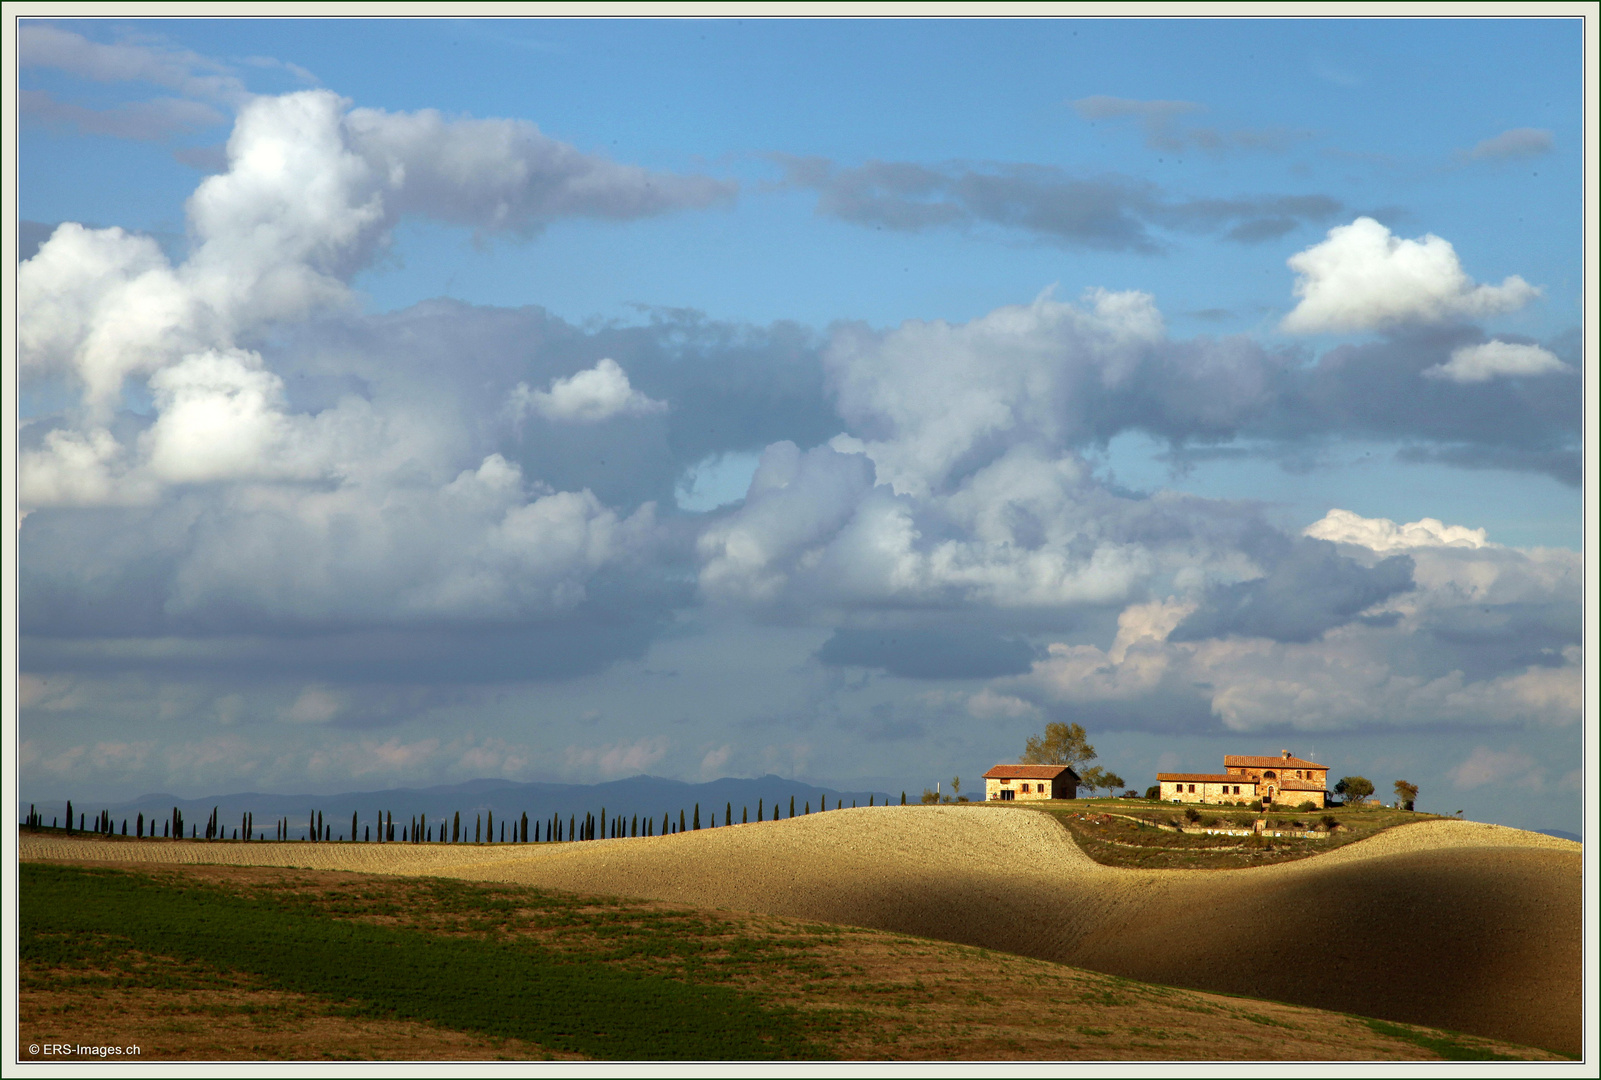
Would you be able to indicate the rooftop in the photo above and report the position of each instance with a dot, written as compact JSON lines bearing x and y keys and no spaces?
{"x":1030,"y":772}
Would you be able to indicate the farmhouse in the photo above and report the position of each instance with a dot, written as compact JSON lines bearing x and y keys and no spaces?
{"x":1286,"y":779}
{"x":1005,"y":783}
{"x":1283,"y":779}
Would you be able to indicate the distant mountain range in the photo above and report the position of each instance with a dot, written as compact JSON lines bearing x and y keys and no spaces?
{"x":1560,"y":834}
{"x":645,"y":796}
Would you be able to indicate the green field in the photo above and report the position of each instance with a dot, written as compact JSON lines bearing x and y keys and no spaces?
{"x":494,"y":984}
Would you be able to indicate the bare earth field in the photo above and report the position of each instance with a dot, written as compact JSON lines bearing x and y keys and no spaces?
{"x":1455,"y":925}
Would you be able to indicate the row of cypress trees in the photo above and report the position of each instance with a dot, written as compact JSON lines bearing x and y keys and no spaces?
{"x":553,"y":829}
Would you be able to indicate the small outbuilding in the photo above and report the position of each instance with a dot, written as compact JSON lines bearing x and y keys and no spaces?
{"x":1004,"y":783}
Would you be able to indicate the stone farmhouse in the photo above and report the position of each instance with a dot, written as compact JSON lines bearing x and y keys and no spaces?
{"x":1004,"y":783}
{"x":1286,"y":780}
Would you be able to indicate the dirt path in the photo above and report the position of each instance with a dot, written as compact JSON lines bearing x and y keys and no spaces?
{"x":1458,"y":925}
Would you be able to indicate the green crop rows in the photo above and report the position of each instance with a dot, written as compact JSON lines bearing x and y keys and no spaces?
{"x":501,"y":988}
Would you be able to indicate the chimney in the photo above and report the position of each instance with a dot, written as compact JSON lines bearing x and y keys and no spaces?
{"x":1286,"y":754}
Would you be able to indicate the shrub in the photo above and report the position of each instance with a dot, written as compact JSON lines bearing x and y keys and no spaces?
{"x":1307,"y":807}
{"x":1256,"y":805}
{"x":1154,"y":791}
{"x":1329,"y":822}
{"x":929,"y":796}
{"x":1209,"y":821}
{"x":1192,"y":814}
{"x":1244,"y":821}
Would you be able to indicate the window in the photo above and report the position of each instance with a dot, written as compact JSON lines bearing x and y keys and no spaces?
{"x":1192,"y":789}
{"x":1236,"y":789}
{"x":1025,"y":789}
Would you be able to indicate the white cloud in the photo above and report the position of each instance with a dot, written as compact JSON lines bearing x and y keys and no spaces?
{"x":1382,"y":534}
{"x":1514,"y":143}
{"x":220,"y":416}
{"x":711,"y":765}
{"x":44,"y":45}
{"x":620,"y":759}
{"x":315,"y":705}
{"x":1364,"y":278}
{"x":937,"y":391}
{"x":1499,"y":767}
{"x":1481,"y":363}
{"x":599,"y":393}
{"x":987,"y":704}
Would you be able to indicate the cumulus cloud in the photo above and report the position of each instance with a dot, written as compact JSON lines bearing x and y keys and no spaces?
{"x":1382,"y":534}
{"x":1308,"y":591}
{"x":1493,"y":359}
{"x":1363,"y":278}
{"x":599,"y":393}
{"x":1480,"y":636}
{"x":1513,"y":143}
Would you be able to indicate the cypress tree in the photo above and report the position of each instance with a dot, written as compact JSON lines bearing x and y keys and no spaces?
{"x":572,"y":827}
{"x":869,"y":800}
{"x":69,"y":817}
{"x":744,"y":815}
{"x":525,"y":826}
{"x":758,"y":810}
{"x":808,"y":806}
{"x":697,"y":817}
{"x":903,"y":798}
{"x":603,"y":823}
{"x":321,"y":831}
{"x":728,"y":814}
{"x":667,"y":824}
{"x":140,"y":826}
{"x":792,"y":806}
{"x":236,"y":834}
{"x":489,"y":828}
{"x":681,"y":822}
{"x":428,"y":833}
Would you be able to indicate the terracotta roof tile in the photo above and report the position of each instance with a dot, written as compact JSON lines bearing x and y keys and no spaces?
{"x":1248,"y":761}
{"x":1210,"y":778}
{"x":1031,"y":772}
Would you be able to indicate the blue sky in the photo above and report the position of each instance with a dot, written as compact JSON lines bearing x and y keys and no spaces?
{"x":558,"y":399}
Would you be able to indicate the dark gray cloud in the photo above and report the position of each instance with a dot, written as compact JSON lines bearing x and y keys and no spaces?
{"x":156,"y":120}
{"x":1164,"y":130}
{"x":1104,"y":212}
{"x":1309,"y":590}
{"x":1514,"y":143}
{"x":928,"y":652}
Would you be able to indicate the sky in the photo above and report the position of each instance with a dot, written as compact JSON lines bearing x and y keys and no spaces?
{"x":406,"y":402}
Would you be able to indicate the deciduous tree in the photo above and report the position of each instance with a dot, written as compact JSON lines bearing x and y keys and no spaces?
{"x":1062,"y":744}
{"x":1354,"y":789}
{"x":1405,"y":794}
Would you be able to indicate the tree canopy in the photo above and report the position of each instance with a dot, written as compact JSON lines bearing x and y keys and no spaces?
{"x":1354,"y":789}
{"x":1062,"y":744}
